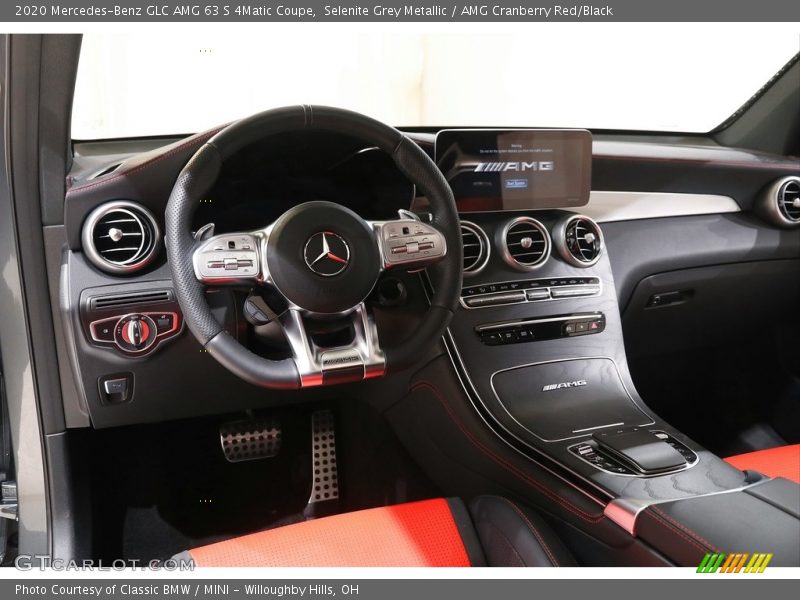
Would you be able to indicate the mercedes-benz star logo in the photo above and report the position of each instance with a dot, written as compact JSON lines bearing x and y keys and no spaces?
{"x":326,"y":253}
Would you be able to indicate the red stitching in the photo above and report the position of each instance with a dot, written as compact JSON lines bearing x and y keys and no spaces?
{"x":679,"y":525}
{"x":533,"y":529}
{"x":508,"y":466}
{"x":194,"y":140}
{"x":691,"y":540}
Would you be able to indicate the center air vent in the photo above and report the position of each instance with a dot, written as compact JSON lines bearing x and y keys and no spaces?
{"x":579,"y":241}
{"x":525,"y":243}
{"x":780,"y":202}
{"x":476,"y":247}
{"x":121,"y":237}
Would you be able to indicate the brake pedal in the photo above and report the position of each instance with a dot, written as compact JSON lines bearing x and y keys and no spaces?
{"x":324,"y":497}
{"x":250,"y":440}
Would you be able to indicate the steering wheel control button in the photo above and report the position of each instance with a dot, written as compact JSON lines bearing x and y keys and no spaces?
{"x":135,"y":333}
{"x":409,"y":243}
{"x":227,"y":258}
{"x":115,"y":389}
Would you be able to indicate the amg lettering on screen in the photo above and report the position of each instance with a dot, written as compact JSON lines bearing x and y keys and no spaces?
{"x":495,"y":167}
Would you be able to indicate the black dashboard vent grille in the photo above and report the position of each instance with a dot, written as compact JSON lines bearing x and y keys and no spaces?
{"x":583,"y":241}
{"x":789,"y":200}
{"x":526,"y":243}
{"x":121,"y":237}
{"x":476,"y":247}
{"x":112,"y":301}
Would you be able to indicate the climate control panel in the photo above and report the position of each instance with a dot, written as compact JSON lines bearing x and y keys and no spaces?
{"x":529,"y":290}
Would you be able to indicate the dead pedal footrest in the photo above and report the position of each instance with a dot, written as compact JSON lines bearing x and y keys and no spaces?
{"x":250,"y":440}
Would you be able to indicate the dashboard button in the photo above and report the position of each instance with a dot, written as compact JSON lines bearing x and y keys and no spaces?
{"x":103,"y":331}
{"x":492,"y":338}
{"x":165,"y":323}
{"x":575,"y":291}
{"x":116,"y":386}
{"x":509,"y":337}
{"x":495,"y":299}
{"x":115,"y":389}
{"x":542,"y":294}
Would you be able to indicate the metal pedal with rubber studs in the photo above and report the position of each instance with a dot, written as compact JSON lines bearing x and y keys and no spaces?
{"x":325,"y":477}
{"x":250,"y":440}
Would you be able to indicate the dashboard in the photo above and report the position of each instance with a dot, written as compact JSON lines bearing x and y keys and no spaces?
{"x":644,"y":221}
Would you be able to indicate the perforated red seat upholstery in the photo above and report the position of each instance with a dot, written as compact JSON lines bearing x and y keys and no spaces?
{"x":783,"y":461}
{"x":429,"y":533}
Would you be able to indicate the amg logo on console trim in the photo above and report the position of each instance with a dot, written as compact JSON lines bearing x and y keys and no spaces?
{"x":566,"y":384}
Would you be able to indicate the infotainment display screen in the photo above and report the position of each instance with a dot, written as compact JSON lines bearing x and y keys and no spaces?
{"x":516,"y":169}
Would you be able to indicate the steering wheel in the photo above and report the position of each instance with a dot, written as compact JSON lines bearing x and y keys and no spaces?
{"x":320,"y":257}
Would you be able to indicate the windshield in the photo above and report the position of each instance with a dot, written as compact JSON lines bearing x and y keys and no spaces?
{"x":672,"y":77}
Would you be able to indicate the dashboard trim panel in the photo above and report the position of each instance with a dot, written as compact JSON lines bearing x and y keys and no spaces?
{"x":608,"y":206}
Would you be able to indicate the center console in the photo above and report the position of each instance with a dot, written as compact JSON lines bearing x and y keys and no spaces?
{"x":537,"y":346}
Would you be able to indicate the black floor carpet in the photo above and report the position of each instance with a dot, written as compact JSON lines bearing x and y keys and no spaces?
{"x":160,"y":489}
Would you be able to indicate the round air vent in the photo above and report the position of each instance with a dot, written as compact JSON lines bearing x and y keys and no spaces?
{"x":780,"y":202}
{"x":579,"y":241}
{"x":525,"y":243}
{"x":121,"y":237}
{"x":476,"y":247}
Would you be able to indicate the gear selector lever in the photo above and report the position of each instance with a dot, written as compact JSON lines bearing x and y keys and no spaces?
{"x":639,"y":449}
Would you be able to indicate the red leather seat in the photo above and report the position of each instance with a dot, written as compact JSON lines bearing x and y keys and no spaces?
{"x":431,"y":533}
{"x":783,"y":461}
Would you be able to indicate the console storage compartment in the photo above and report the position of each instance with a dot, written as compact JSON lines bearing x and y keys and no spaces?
{"x":763,"y":518}
{"x":569,"y":398}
